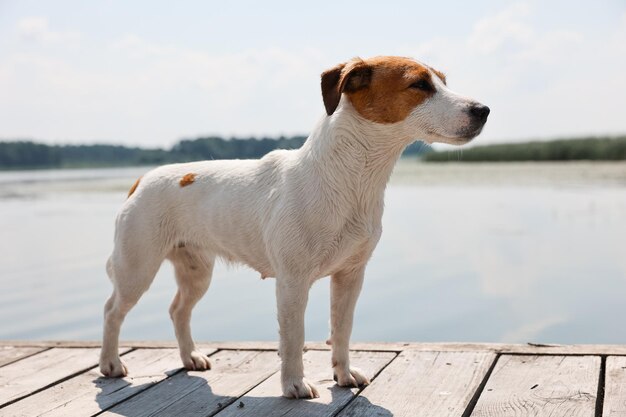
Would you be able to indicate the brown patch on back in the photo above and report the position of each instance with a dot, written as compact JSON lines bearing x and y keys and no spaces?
{"x":134,"y":187}
{"x":389,"y":97}
{"x":187,"y":179}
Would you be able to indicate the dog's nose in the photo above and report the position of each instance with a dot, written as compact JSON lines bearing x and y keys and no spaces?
{"x":480,"y":112}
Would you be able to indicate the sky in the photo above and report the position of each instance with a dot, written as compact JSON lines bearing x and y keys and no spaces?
{"x":150,"y":73}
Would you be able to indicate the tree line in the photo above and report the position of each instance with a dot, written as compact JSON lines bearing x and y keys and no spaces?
{"x":29,"y":154}
{"x":590,"y":148}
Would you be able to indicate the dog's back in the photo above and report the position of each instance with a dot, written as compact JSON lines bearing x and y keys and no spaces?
{"x":216,"y":206}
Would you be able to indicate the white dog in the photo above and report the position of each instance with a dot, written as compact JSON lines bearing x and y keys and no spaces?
{"x":296,"y":215}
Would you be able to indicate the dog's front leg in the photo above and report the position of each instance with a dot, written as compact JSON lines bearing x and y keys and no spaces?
{"x":291,"y":296}
{"x":345,"y":288}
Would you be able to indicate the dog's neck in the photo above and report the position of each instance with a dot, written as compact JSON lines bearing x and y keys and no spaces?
{"x":352,"y":153}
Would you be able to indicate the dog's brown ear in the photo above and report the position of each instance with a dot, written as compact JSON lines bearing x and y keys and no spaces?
{"x":349,"y":77}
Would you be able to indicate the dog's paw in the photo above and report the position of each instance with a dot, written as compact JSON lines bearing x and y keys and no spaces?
{"x":299,"y":388}
{"x":113,"y":368}
{"x":196,"y":361}
{"x":352,"y":377}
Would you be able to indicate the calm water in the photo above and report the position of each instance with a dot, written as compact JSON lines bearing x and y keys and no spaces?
{"x":492,"y":253}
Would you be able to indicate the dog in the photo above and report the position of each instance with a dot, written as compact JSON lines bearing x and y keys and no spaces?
{"x":293,"y":215}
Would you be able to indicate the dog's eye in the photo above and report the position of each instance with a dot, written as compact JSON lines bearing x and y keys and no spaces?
{"x":422,"y":85}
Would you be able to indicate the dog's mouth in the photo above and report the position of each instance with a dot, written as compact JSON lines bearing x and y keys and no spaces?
{"x":468,"y":136}
{"x":463,"y":136}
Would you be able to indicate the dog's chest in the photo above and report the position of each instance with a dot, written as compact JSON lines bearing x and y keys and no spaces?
{"x":352,"y":243}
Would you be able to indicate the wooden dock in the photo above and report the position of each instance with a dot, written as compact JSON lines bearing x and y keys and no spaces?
{"x":408,"y":379}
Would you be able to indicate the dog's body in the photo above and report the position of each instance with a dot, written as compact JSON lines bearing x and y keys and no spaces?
{"x":296,"y":215}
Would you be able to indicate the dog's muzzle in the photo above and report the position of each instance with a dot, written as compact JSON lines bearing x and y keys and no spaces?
{"x":479,"y":113}
{"x":478,"y":117}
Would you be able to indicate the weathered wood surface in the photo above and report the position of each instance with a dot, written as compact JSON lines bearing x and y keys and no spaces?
{"x":615,"y":387}
{"x":423,"y":384}
{"x":10,"y":354}
{"x":408,"y":379}
{"x":266,"y":400}
{"x":203,"y":393}
{"x":30,"y":374}
{"x":89,"y":393}
{"x":503,"y":348}
{"x":540,"y":386}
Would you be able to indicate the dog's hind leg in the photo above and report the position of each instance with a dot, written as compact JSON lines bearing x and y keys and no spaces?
{"x":344,"y":292}
{"x":193,"y":275}
{"x":131,"y":278}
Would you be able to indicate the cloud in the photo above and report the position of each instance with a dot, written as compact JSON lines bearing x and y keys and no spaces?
{"x":492,"y":33}
{"x":36,"y":29}
{"x":32,"y":28}
{"x":550,"y":48}
{"x":242,"y":68}
{"x":509,"y":37}
{"x":534,"y":76}
{"x":157,"y":91}
{"x":231,"y":79}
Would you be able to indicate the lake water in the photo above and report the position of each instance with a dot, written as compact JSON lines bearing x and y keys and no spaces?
{"x":470,"y":252}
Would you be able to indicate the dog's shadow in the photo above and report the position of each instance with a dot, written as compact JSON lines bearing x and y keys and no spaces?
{"x":187,"y":395}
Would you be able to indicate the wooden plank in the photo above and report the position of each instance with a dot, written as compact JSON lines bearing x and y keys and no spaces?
{"x":9,"y":354}
{"x":556,"y":350}
{"x":526,"y":349}
{"x":266,"y":400}
{"x":615,"y":387}
{"x":312,"y":345}
{"x":156,"y":344}
{"x":28,"y":375}
{"x":424,"y":384}
{"x":541,"y":386}
{"x":522,"y":349}
{"x":89,"y":393}
{"x":233,"y":345}
{"x":271,"y":345}
{"x":202,"y":393}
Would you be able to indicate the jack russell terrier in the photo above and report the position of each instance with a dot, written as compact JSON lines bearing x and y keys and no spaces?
{"x":295,"y":215}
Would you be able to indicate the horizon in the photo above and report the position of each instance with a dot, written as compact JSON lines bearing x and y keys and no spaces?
{"x":434,"y":146}
{"x":150,"y":74}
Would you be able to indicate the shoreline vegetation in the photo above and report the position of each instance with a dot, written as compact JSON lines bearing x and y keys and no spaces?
{"x":580,"y":149}
{"x":16,"y":155}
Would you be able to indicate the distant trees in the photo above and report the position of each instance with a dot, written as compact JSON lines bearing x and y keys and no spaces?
{"x":592,"y":148}
{"x":242,"y":148}
{"x":27,"y":154}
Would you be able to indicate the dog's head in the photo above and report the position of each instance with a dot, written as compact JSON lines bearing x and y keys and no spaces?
{"x":396,"y":90}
